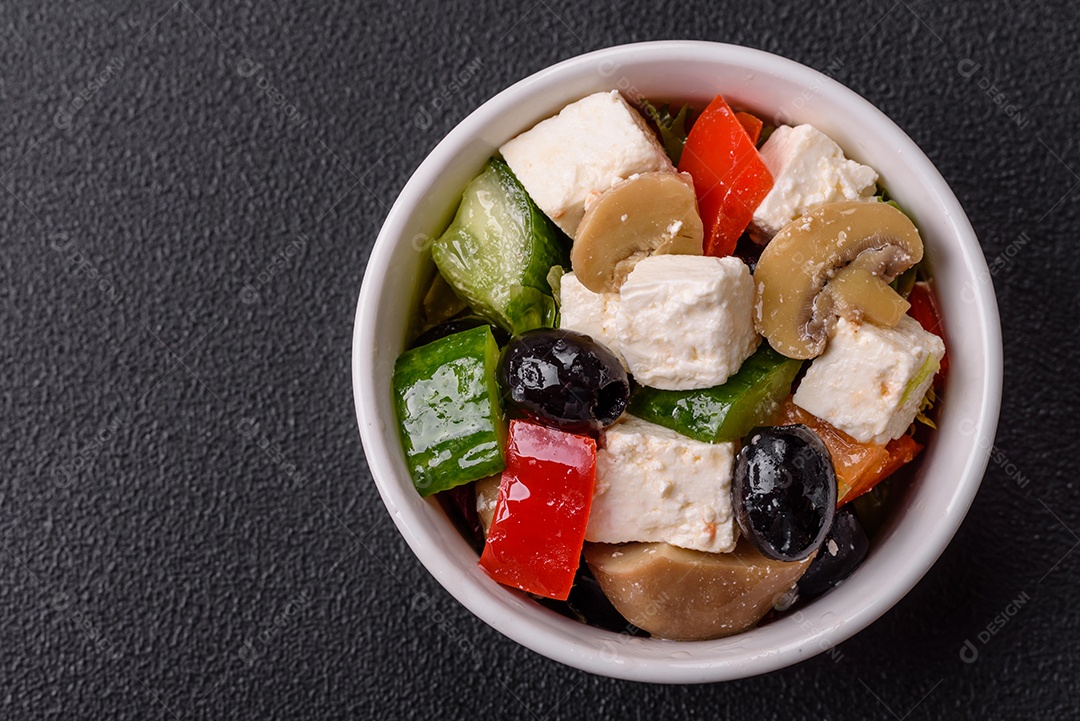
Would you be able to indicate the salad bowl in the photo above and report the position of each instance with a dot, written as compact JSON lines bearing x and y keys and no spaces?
{"x":926,"y":513}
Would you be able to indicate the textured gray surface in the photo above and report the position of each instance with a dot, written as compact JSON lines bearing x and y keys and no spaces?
{"x":187,"y":524}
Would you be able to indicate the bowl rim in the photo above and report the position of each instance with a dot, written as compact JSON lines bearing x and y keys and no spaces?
{"x":523,"y":628}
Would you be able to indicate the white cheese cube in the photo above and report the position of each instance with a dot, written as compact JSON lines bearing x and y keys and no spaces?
{"x":593,"y":314}
{"x":686,"y":321}
{"x":808,"y":170}
{"x":585,"y":149}
{"x":870,"y":380}
{"x":656,"y":485}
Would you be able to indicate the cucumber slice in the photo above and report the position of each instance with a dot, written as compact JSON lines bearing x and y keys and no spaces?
{"x":728,"y":412}
{"x":498,"y":251}
{"x":449,"y":413}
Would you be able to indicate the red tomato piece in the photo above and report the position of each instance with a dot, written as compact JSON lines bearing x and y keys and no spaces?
{"x":924,"y":309}
{"x":730,"y":179}
{"x":538,"y":530}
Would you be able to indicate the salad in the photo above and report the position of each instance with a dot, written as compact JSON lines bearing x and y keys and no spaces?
{"x":668,"y":365}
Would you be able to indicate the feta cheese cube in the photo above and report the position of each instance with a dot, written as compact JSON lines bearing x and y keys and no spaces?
{"x":653,"y":484}
{"x":686,"y":322}
{"x":870,"y":380}
{"x":593,"y":314}
{"x":808,"y":170}
{"x":585,"y":149}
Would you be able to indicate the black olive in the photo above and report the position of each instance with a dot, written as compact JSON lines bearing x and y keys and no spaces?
{"x":748,"y":251}
{"x":564,"y":379}
{"x":843,"y":550}
{"x":785,"y":491}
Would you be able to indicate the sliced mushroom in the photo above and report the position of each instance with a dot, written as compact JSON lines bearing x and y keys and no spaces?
{"x":688,"y":595}
{"x":861,"y":245}
{"x":647,"y":214}
{"x":858,"y":294}
{"x":487,"y":492}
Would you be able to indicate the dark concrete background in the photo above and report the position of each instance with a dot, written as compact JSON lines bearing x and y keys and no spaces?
{"x":190,"y":191}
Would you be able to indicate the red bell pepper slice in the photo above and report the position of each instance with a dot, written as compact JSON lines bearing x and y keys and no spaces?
{"x":546,"y":491}
{"x":730,"y":179}
{"x":901,"y":451}
{"x":859,"y":466}
{"x":924,"y":309}
{"x":751,"y":124}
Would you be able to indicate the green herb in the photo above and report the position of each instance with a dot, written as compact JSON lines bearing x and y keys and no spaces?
{"x":925,"y":407}
{"x":554,"y":279}
{"x":440,"y":303}
{"x":672,"y":128}
{"x":884,"y":197}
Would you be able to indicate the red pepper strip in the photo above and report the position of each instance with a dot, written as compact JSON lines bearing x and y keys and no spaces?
{"x":538,"y":530}
{"x":901,"y":451}
{"x":924,"y":309}
{"x":859,"y":466}
{"x":751,"y":124}
{"x":730,"y":179}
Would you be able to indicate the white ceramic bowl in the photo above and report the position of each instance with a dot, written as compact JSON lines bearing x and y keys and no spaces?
{"x":928,"y":513}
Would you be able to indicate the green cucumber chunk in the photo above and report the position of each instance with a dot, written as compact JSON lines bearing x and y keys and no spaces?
{"x":498,"y":250}
{"x":449,"y":412}
{"x":724,"y":413}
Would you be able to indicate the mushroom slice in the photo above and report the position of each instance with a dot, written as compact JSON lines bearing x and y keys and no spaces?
{"x":686,"y":595}
{"x":861,"y":246}
{"x":858,"y":295}
{"x":648,"y":214}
